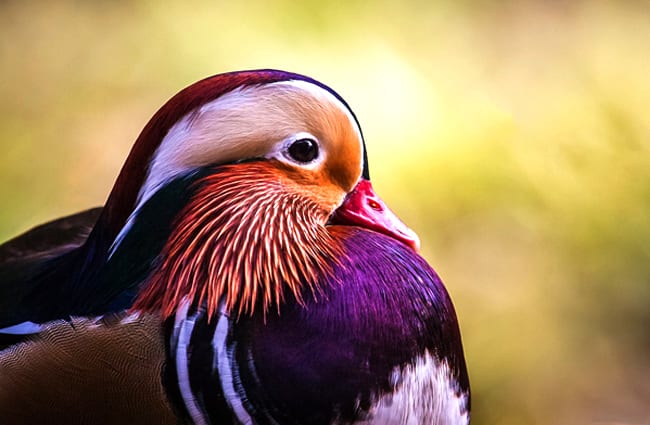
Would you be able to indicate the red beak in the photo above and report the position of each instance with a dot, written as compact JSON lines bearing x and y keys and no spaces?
{"x":362,"y":207}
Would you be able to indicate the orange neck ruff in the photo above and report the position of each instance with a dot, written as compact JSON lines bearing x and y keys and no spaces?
{"x":246,"y":239}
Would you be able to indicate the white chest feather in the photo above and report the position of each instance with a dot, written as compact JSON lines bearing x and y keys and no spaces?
{"x":425,"y":394}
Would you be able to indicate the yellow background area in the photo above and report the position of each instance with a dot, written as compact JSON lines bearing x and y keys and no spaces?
{"x":513,"y":136}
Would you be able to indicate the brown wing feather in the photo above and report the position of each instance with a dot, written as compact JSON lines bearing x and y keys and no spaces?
{"x":89,"y":372}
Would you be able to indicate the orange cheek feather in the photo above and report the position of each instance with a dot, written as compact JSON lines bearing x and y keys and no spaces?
{"x":246,"y":239}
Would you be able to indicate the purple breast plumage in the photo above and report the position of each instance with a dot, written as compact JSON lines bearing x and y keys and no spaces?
{"x":379,"y":345}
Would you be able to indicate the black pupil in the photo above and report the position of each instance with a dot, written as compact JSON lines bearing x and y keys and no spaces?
{"x":303,"y":150}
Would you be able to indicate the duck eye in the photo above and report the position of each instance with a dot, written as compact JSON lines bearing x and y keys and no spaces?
{"x":303,"y":150}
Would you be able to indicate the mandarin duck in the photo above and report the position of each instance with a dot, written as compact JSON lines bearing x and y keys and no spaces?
{"x":242,"y":271}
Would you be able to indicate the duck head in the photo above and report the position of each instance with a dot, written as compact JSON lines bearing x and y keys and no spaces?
{"x":274,"y":159}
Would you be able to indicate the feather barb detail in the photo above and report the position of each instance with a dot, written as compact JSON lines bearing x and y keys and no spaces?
{"x":248,"y":237}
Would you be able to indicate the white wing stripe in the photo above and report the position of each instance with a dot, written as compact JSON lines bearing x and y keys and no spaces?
{"x":224,"y":366}
{"x":184,"y":326}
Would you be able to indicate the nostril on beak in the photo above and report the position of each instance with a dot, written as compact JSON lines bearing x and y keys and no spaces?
{"x":374,"y":205}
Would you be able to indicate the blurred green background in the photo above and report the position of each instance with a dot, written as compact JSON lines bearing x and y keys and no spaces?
{"x":513,"y":136}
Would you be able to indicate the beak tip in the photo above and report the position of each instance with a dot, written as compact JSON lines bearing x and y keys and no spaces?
{"x":416,"y":244}
{"x":411,"y":239}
